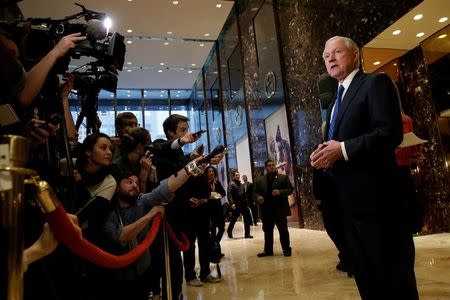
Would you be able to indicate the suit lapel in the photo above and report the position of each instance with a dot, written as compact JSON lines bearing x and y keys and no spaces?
{"x":350,"y":95}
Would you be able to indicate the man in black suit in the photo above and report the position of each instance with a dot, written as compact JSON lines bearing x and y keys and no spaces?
{"x":272,"y":192}
{"x":363,"y":130}
{"x":248,"y":190}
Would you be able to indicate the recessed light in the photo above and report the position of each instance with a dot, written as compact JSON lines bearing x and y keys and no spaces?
{"x":418,"y":17}
{"x":161,"y":64}
{"x":129,"y":30}
{"x":129,"y":63}
{"x":162,"y":91}
{"x":190,"y":71}
{"x":396,"y":32}
{"x":193,"y":65}
{"x":128,"y":91}
{"x":177,"y":96}
{"x":442,"y":36}
{"x":218,"y":5}
{"x":206,"y":34}
{"x":130,"y":0}
{"x":129,"y":42}
{"x":159,"y":71}
{"x":201,"y":45}
{"x":169,"y":32}
{"x":443,"y":19}
{"x":161,"y":96}
{"x":395,"y":64}
{"x":112,"y":95}
{"x":129,"y":70}
{"x":420,"y":34}
{"x":178,"y":92}
{"x":166,"y":43}
{"x":129,"y":95}
{"x":376,"y":63}
{"x":175,"y":2}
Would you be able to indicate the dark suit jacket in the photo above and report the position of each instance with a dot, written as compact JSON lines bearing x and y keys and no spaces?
{"x":280,"y":207}
{"x":369,"y":123}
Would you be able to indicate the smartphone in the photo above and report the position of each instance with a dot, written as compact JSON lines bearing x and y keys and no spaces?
{"x":7,"y":115}
{"x":200,"y":132}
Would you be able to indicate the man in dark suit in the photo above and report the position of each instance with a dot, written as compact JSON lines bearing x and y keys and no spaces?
{"x":363,"y":130}
{"x":272,"y":192}
{"x":248,"y":190}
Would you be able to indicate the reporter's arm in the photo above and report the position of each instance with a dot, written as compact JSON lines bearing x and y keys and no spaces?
{"x":130,"y":231}
{"x":35,"y":78}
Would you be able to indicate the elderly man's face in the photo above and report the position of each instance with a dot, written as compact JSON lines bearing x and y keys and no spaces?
{"x":339,"y":59}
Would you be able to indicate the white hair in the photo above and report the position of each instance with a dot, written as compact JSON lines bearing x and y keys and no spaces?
{"x":348,"y":42}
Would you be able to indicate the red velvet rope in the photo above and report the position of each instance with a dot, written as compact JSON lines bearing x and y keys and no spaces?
{"x":184,"y":244}
{"x":65,"y":232}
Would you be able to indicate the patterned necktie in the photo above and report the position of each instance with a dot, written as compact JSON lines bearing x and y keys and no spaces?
{"x":335,"y":112}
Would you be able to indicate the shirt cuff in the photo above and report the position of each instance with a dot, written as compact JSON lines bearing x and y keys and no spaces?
{"x":344,"y":152}
{"x":175,"y":144}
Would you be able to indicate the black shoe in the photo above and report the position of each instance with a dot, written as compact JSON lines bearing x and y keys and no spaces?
{"x":230,"y":235}
{"x":222,"y":254}
{"x":287,"y":252}
{"x":342,"y":267}
{"x":262,"y":254}
{"x":249,"y":236}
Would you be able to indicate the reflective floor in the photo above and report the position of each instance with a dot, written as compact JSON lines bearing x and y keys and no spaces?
{"x":310,"y":272}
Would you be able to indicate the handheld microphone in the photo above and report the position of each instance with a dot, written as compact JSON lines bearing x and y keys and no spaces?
{"x":207,"y":158}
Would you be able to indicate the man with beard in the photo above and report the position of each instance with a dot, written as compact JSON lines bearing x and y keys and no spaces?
{"x":128,"y":225}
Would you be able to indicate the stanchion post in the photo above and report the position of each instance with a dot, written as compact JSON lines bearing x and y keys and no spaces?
{"x":167,"y":260}
{"x":14,"y":152}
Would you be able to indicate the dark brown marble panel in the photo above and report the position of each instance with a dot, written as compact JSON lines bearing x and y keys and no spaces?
{"x":432,"y":176}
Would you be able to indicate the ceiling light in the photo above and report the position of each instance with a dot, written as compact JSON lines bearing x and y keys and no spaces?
{"x":178,"y":92}
{"x":206,"y":34}
{"x":129,"y":95}
{"x":190,"y":71}
{"x":161,"y":64}
{"x":201,"y":45}
{"x":169,"y":32}
{"x":395,"y":64}
{"x":129,"y":63}
{"x":128,"y":91}
{"x":112,"y":95}
{"x":193,"y":65}
{"x":442,"y":36}
{"x":418,"y":17}
{"x":396,"y":32}
{"x":162,"y":91}
{"x":218,"y":5}
{"x":129,"y":42}
{"x":130,"y":0}
{"x":443,"y":19}
{"x":376,"y":63}
{"x":166,"y":43}
{"x":161,"y":96}
{"x":175,"y":2}
{"x":420,"y":34}
{"x":129,"y":30}
{"x":159,"y":71}
{"x":129,"y":70}
{"x":177,"y":96}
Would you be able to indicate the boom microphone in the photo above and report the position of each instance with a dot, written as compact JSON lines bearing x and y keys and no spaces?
{"x":207,"y":158}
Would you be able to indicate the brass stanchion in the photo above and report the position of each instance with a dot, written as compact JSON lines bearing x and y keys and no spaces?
{"x":167,"y":260}
{"x":14,"y":152}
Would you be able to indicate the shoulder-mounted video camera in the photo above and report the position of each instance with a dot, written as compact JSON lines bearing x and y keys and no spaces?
{"x":37,"y":36}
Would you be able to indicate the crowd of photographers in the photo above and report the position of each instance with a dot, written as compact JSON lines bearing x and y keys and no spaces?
{"x":114,"y":185}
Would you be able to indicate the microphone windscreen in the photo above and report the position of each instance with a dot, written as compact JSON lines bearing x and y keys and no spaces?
{"x":95,"y":30}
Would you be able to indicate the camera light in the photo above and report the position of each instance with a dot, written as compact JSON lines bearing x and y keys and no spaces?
{"x":107,"y":23}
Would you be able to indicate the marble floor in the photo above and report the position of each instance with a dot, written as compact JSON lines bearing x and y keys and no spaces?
{"x":310,"y":272}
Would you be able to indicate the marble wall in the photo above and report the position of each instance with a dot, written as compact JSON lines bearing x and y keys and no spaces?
{"x":432,"y":178}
